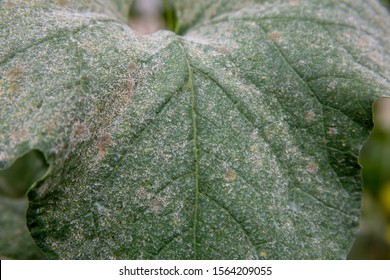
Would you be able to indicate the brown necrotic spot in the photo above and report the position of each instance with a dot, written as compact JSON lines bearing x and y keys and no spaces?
{"x":80,"y":132}
{"x":230,"y":176}
{"x":275,"y":37}
{"x":105,"y":141}
{"x":50,"y":126}
{"x":62,"y":3}
{"x":19,"y":135}
{"x":223,"y":50}
{"x":13,"y":78}
{"x":263,"y":254}
{"x":310,"y":116}
{"x":1,"y":87}
{"x":14,"y":88}
{"x":363,"y":43}
{"x":375,"y":57}
{"x":130,"y":85}
{"x":312,"y":167}
{"x":15,"y":73}
{"x":293,"y":2}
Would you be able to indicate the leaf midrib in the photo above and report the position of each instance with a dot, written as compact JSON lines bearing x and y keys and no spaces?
{"x":195,"y":149}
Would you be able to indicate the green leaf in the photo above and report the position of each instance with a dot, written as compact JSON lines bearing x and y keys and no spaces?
{"x":16,"y":242}
{"x":15,"y":181}
{"x":238,"y":140}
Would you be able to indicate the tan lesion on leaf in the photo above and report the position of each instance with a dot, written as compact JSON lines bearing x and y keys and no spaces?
{"x":253,"y":148}
{"x":242,"y":4}
{"x":310,"y":116}
{"x":230,"y":176}
{"x":15,"y":73}
{"x":146,"y":197}
{"x":223,"y":50}
{"x":312,"y":167}
{"x":134,"y":76}
{"x":87,"y":46}
{"x":293,"y":2}
{"x":363,"y":43}
{"x":375,"y":57}
{"x":212,"y":10}
{"x":19,"y":135}
{"x":9,"y":5}
{"x":381,"y":21}
{"x":275,"y":37}
{"x":14,"y":88}
{"x":157,"y":204}
{"x":104,"y":142}
{"x":80,"y":132}
{"x":62,"y":3}
{"x":129,"y":87}
{"x":366,"y":44}
{"x":1,"y":86}
{"x":50,"y":126}
{"x":13,"y":77}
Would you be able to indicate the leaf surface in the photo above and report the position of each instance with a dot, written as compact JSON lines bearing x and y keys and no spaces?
{"x":238,"y":140}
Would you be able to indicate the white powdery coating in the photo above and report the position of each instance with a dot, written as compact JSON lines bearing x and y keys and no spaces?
{"x":235,"y":141}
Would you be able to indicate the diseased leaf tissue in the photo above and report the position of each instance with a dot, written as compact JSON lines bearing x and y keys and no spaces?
{"x":237,"y":140}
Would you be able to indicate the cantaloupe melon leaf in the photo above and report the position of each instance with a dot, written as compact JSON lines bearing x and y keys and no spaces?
{"x":237,"y":140}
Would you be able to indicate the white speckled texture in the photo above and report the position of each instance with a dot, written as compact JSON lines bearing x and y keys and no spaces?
{"x":237,"y":140}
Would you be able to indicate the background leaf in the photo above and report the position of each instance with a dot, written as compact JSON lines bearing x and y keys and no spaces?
{"x":16,"y":242}
{"x":15,"y":181}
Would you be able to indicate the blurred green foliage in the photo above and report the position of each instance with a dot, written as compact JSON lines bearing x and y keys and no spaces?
{"x":18,"y":178}
{"x":15,"y":239}
{"x":373,"y":241}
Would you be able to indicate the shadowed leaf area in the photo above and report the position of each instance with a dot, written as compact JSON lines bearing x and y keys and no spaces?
{"x":16,"y":242}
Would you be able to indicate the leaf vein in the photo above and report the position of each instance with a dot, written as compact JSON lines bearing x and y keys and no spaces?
{"x":195,"y":149}
{"x":313,"y":94}
{"x":249,"y":238}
